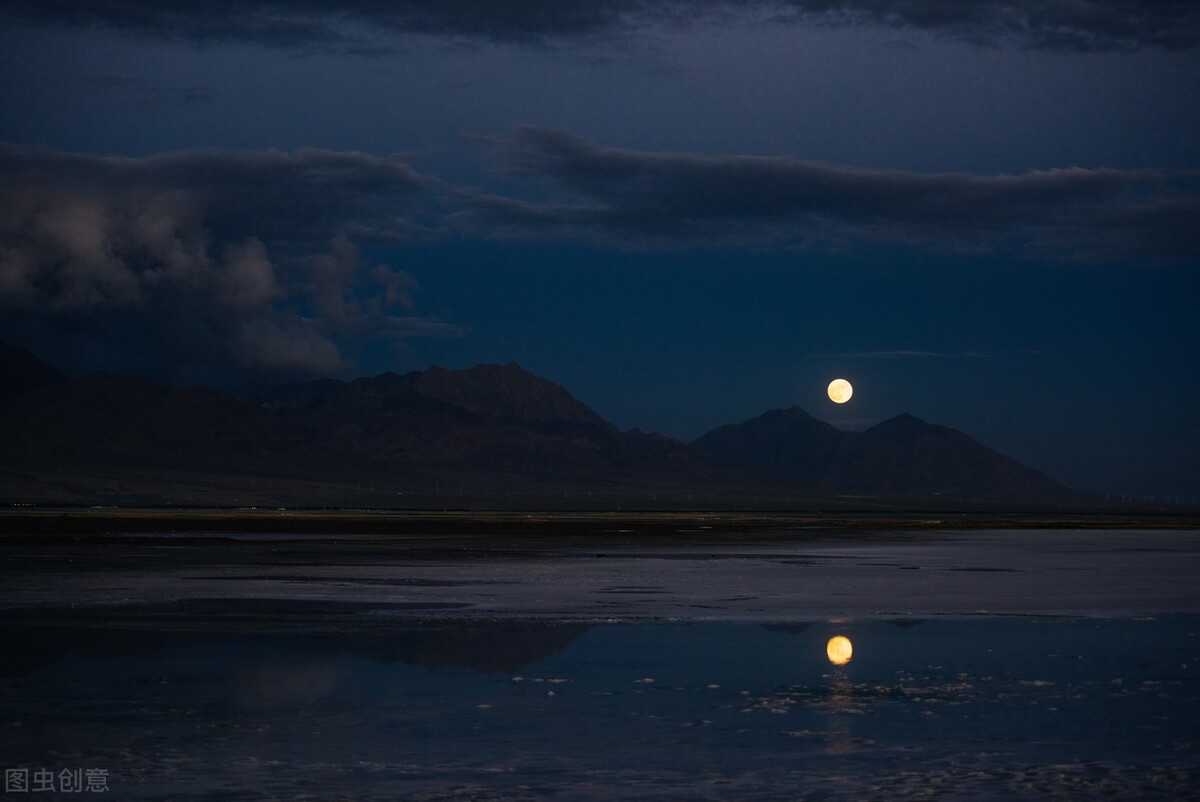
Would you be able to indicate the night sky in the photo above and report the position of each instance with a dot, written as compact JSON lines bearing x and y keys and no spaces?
{"x":985,"y":214}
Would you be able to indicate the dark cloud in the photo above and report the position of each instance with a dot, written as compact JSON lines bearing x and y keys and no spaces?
{"x":252,"y":262}
{"x":364,"y":25}
{"x":212,"y":257}
{"x":638,"y":197}
{"x":356,"y":25}
{"x":1063,"y":25}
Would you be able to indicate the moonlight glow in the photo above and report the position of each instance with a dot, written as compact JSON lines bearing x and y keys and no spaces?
{"x":839,"y":650}
{"x":840,"y":391}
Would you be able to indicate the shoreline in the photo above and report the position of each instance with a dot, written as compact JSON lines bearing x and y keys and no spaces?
{"x":729,"y":572}
{"x":47,"y":526}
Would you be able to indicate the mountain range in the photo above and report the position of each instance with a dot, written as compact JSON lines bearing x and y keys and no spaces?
{"x":901,"y":456}
{"x":493,"y":432}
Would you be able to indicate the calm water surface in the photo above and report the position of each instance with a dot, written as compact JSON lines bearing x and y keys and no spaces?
{"x":937,"y":708}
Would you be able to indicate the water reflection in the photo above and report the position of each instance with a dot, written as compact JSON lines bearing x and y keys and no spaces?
{"x":429,"y":710}
{"x":500,"y":648}
{"x":838,"y":739}
{"x":839,"y":650}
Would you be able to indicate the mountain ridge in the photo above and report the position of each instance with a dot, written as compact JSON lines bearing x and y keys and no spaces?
{"x":478,"y":424}
{"x":902,"y":455}
{"x":24,"y":372}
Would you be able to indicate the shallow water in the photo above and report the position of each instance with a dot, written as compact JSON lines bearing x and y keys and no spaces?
{"x":946,"y":708}
{"x":172,"y":581}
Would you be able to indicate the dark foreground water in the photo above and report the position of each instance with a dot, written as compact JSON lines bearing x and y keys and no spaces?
{"x":941,"y":708}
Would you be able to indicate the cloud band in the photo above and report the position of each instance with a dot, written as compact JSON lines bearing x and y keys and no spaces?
{"x":365,"y":26}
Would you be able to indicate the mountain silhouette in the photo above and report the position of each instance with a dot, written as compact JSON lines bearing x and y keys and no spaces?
{"x":23,"y":372}
{"x":787,"y":441}
{"x":107,"y":418}
{"x":106,"y":436}
{"x":903,"y":455}
{"x":498,"y":417}
{"x":492,"y":418}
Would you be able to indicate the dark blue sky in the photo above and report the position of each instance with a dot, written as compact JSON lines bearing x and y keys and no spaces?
{"x":686,"y":212}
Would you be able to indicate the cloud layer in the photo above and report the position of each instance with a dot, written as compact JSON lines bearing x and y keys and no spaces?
{"x":366,"y":25}
{"x":212,"y":257}
{"x":637,"y":197}
{"x":1062,"y":25}
{"x":252,"y":260}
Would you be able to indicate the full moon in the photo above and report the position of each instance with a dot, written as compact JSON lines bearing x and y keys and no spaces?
{"x":839,"y":650}
{"x":840,"y":391}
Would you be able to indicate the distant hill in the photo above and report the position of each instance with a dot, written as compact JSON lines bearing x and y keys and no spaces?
{"x":491,"y":430}
{"x":107,"y":418}
{"x":900,"y":456}
{"x":490,"y":416}
{"x":22,"y":372}
{"x":484,"y":420}
{"x":782,"y":441}
{"x":504,"y":393}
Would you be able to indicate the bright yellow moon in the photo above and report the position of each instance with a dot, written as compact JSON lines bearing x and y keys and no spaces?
{"x":840,"y":391}
{"x":839,"y":650}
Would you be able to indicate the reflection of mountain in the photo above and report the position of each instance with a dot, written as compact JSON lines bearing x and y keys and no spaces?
{"x":492,"y":648}
{"x":790,"y":628}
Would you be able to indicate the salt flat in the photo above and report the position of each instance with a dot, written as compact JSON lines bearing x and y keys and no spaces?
{"x":368,"y":580}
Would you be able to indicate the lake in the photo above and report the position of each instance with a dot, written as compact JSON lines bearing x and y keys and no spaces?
{"x":513,"y":677}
